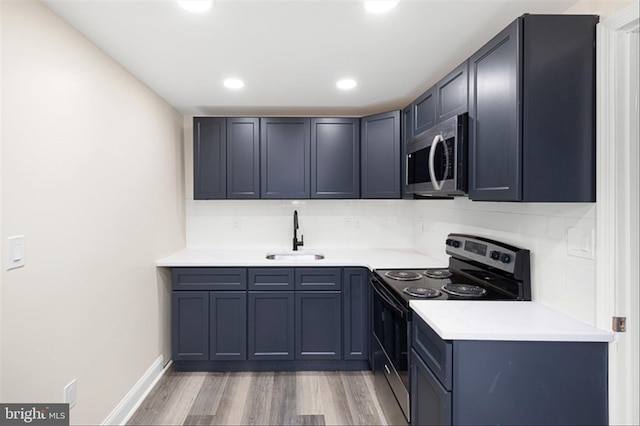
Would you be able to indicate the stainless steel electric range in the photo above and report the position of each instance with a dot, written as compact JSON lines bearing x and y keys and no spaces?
{"x":479,"y":269}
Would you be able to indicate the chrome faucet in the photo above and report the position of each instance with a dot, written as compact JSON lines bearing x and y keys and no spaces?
{"x":296,"y":243}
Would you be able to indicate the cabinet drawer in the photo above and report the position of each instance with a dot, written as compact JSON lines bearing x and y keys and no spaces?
{"x":209,"y":278}
{"x":436,"y":353}
{"x":271,"y":278}
{"x":319,"y":279}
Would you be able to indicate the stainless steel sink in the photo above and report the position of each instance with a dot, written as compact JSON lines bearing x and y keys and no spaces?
{"x":295,"y":255}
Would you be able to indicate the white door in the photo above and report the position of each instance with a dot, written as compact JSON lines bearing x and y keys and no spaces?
{"x":618,"y":207}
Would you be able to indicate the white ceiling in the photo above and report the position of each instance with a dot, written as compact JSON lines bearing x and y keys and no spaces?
{"x":291,"y":52}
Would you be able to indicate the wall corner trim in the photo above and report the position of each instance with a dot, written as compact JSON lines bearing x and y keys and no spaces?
{"x":132,"y":400}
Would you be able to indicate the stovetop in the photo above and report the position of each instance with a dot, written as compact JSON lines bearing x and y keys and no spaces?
{"x":428,"y":284}
{"x":483,"y":269}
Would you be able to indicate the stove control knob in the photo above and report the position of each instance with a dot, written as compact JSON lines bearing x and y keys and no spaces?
{"x":455,"y":243}
{"x":495,"y":255}
{"x":505,"y":258}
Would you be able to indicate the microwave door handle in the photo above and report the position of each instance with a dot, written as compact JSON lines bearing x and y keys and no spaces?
{"x":432,"y":156}
{"x":406,"y":169}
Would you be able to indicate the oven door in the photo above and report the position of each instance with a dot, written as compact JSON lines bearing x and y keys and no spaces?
{"x":391,"y":328}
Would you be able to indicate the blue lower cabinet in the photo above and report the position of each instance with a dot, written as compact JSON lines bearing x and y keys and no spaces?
{"x":228,"y":325}
{"x":480,"y":382}
{"x":318,"y":326}
{"x":271,"y":325}
{"x":238,"y":319}
{"x":355,"y":296}
{"x":431,"y":402}
{"x":190,"y":325}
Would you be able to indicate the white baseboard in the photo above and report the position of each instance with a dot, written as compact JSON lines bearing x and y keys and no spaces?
{"x":132,"y":400}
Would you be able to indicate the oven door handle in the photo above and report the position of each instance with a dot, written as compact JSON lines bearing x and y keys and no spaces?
{"x":377,"y":287}
{"x":432,"y":167}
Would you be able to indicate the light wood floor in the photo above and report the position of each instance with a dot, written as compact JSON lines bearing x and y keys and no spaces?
{"x":262,"y":398}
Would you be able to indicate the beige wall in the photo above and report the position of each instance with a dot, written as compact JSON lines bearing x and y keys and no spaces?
{"x":92,"y":174}
{"x":1,"y":242}
{"x":604,"y":8}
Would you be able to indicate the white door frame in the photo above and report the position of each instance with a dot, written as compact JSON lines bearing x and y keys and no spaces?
{"x":617,"y":208}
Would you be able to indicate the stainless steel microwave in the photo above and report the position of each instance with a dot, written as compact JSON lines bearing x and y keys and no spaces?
{"x":436,"y":160}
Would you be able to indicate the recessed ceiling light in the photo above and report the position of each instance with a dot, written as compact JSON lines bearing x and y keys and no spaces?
{"x":346,"y":84}
{"x":380,"y":6}
{"x":233,"y":83}
{"x":196,"y":5}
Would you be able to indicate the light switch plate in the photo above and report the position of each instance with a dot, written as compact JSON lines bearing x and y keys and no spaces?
{"x":580,"y":243}
{"x":15,"y":252}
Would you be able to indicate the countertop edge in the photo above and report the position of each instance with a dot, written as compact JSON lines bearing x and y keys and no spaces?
{"x":371,"y":258}
{"x":484,"y":323}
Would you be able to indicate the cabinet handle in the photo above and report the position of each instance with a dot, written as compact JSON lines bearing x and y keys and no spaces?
{"x":387,"y":368}
{"x":432,"y":156}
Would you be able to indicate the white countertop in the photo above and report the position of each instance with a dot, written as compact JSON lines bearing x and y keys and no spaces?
{"x":369,"y":258}
{"x":501,"y":320}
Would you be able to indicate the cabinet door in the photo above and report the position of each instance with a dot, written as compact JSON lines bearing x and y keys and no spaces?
{"x":495,"y":142}
{"x":356,"y":313}
{"x":271,"y":325}
{"x":407,"y":133}
{"x":190,"y":325}
{"x":318,"y":325}
{"x":335,"y":158}
{"x":243,"y":158}
{"x":380,"y":153}
{"x":285,"y":158}
{"x":209,"y":158}
{"x":424,"y":111}
{"x":430,"y":401}
{"x":452,"y":93}
{"x":228,"y":325}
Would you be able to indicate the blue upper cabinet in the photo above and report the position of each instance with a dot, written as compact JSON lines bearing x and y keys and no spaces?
{"x":243,"y":158}
{"x":380,"y":155}
{"x":335,"y":158}
{"x":452,"y":93}
{"x":209,"y":158}
{"x":407,"y":133}
{"x":424,"y":112}
{"x":495,"y":150}
{"x":532,"y":136}
{"x":285,"y":150}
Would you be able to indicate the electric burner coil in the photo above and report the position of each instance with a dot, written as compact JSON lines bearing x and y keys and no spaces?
{"x":464,"y":290}
{"x":422,"y":292}
{"x":403,"y":275}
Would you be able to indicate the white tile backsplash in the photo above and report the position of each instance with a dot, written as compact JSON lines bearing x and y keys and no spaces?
{"x":558,"y":279}
{"x":324,"y":223}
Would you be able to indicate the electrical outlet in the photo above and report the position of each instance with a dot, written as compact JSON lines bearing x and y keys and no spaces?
{"x":71,"y":393}
{"x":237,"y":225}
{"x":347,"y":223}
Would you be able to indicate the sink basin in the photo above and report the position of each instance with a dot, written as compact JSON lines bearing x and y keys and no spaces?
{"x":295,"y":255}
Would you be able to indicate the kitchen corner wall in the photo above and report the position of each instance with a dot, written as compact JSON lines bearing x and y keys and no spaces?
{"x":565,"y":282}
{"x":92,"y":174}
